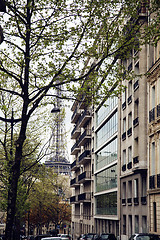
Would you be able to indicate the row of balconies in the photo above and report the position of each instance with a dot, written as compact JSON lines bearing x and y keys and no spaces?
{"x":129,"y":131}
{"x":83,"y":197}
{"x":81,"y":178}
{"x":130,"y":164}
{"x":82,"y":159}
{"x":84,"y":137}
{"x":80,"y":118}
{"x":154,"y":113}
{"x":135,"y":201}
{"x":82,"y":216}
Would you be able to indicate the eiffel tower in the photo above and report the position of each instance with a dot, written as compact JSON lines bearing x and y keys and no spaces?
{"x":59,"y":156}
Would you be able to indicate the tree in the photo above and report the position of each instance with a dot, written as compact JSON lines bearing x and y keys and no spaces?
{"x":46,"y":46}
{"x":47,"y":200}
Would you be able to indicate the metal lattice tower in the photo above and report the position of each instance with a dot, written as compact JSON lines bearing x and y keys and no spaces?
{"x":59,"y":156}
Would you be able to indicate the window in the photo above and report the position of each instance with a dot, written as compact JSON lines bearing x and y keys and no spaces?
{"x":130,"y":224}
{"x":129,"y":120}
{"x":144,"y":187}
{"x":144,"y":224}
{"x":152,"y":159}
{"x":124,"y":157}
{"x":124,"y":96}
{"x":154,"y":217}
{"x":124,"y":224}
{"x":136,"y":188}
{"x":124,"y":125}
{"x":136,"y":224}
{"x":136,"y":108}
{"x":130,"y":154}
{"x":129,"y":88}
{"x":129,"y":189}
{"x":124,"y":191}
{"x":153,"y":97}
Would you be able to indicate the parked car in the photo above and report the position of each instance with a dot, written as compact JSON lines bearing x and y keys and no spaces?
{"x":51,"y":238}
{"x":92,"y":236}
{"x":107,"y":236}
{"x":144,"y":236}
{"x":65,"y":237}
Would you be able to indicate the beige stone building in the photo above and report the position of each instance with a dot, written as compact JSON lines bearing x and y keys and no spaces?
{"x":154,"y":140}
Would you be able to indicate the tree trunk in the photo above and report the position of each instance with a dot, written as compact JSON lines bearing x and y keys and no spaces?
{"x":12,"y":192}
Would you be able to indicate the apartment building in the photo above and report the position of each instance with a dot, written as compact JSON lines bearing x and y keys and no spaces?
{"x":105,"y":168}
{"x":154,"y":139}
{"x":82,"y":170}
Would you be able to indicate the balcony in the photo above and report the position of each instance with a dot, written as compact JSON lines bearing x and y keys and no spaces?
{"x":84,"y":197}
{"x":123,"y":201}
{"x":75,"y":132}
{"x":124,"y":168}
{"x":73,"y":199}
{"x":129,"y":201}
{"x":74,"y":182}
{"x":75,"y":149}
{"x":84,"y":177}
{"x":144,"y":200}
{"x":129,"y":132}
{"x":123,"y":136}
{"x":152,"y":182}
{"x":152,"y":115}
{"x":74,"y":166}
{"x":135,"y":122}
{"x":85,"y":157}
{"x":85,"y":137}
{"x":129,"y":165}
{"x":135,"y":160}
{"x":136,"y":201}
{"x":86,"y":115}
{"x":129,"y":100}
{"x":75,"y":116}
{"x":136,"y":85}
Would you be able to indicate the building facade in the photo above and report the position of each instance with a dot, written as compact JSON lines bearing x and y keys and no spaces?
{"x":105,"y":168}
{"x":154,"y":139}
{"x":82,"y":170}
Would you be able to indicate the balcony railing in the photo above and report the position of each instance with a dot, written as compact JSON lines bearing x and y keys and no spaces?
{"x":123,"y":201}
{"x":84,"y":196}
{"x":129,"y":201}
{"x":135,"y":122}
{"x":75,"y":132}
{"x":136,"y":201}
{"x":73,"y":199}
{"x":75,"y":116}
{"x":85,"y":154}
{"x":74,"y":182}
{"x":124,"y":167}
{"x":86,"y":135}
{"x":85,"y":176}
{"x":129,"y":132}
{"x":152,"y":115}
{"x":135,"y":160}
{"x":86,"y":115}
{"x":144,"y":200}
{"x":75,"y":148}
{"x":129,"y":165}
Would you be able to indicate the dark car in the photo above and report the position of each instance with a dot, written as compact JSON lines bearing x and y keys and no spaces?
{"x":92,"y":236}
{"x":108,"y":236}
{"x":144,"y":236}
